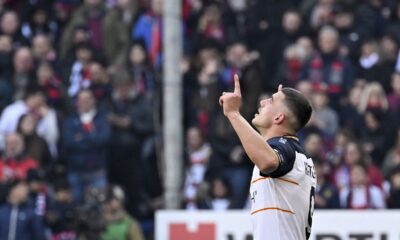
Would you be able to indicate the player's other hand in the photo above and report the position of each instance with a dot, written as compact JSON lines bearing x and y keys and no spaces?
{"x":231,"y":101}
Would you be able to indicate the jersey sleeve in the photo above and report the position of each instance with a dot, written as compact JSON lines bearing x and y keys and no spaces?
{"x":286,"y":155}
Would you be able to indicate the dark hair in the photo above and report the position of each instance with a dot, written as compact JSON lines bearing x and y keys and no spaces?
{"x":299,"y":106}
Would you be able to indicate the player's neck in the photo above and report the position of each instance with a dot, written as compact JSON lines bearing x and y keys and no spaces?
{"x":274,"y":132}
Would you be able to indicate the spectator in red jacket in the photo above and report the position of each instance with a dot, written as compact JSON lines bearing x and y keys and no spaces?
{"x":14,"y":164}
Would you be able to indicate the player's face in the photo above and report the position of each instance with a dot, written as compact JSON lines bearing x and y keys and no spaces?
{"x":268,"y":110}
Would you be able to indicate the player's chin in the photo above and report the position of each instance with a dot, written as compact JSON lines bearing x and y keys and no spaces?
{"x":254,"y":120}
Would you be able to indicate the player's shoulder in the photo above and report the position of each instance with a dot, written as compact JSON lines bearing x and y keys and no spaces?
{"x":287,"y":144}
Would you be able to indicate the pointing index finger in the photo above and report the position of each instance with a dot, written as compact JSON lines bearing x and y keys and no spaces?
{"x":237,"y":85}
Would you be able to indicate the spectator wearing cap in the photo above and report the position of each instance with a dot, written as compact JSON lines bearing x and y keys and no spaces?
{"x":86,"y":134}
{"x":18,"y":219}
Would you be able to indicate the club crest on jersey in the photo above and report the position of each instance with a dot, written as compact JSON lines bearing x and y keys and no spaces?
{"x":282,"y":140}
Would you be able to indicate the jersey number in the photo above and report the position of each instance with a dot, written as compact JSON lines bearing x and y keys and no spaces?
{"x":310,"y":213}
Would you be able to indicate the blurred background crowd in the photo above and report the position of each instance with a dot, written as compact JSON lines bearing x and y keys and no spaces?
{"x":80,"y":104}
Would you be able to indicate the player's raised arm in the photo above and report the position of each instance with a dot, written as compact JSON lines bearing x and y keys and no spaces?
{"x":259,"y":152}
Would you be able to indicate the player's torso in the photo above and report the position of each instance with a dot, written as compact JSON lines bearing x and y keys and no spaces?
{"x":282,"y":205}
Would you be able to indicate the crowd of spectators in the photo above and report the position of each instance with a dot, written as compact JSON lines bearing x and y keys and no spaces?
{"x":80,"y":104}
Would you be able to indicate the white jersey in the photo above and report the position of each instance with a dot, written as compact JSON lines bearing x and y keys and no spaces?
{"x":283,"y":201}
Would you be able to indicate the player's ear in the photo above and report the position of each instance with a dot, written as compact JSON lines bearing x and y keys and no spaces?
{"x":279,"y":118}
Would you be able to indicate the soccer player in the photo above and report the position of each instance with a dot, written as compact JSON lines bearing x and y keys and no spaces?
{"x":283,"y":183}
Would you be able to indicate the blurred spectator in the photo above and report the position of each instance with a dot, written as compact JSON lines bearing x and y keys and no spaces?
{"x":239,"y":60}
{"x":395,"y":21}
{"x":210,"y":24}
{"x":392,"y":158}
{"x":205,"y":96}
{"x":61,"y":213}
{"x":43,"y":50}
{"x":198,"y":154}
{"x":38,"y":192}
{"x":119,"y":225}
{"x":18,"y":219}
{"x":373,"y":97}
{"x":394,"y":96}
{"x":326,"y":69}
{"x":10,"y":26}
{"x":326,"y":195}
{"x":314,"y":145}
{"x":79,"y":77}
{"x":292,"y":28}
{"x":360,"y":194}
{"x":35,"y":146}
{"x":325,"y":117}
{"x":335,"y":155}
{"x":351,"y":34}
{"x":369,"y":68}
{"x":353,"y":154}
{"x":39,"y":21}
{"x":33,"y":103}
{"x":349,"y":114}
{"x":321,"y":14}
{"x":131,"y":117}
{"x":264,"y":23}
{"x":91,"y":222}
{"x":86,"y":134}
{"x":219,"y":197}
{"x":140,"y":70}
{"x":100,"y":84}
{"x":228,"y":159}
{"x":6,"y":91}
{"x":389,"y":46}
{"x":307,"y":45}
{"x":108,"y":33}
{"x":80,"y":36}
{"x":23,"y":78}
{"x":148,"y":28}
{"x":51,"y":85}
{"x":394,"y":195}
{"x":294,"y":57}
{"x":373,"y":136}
{"x":373,"y":15}
{"x":14,"y":164}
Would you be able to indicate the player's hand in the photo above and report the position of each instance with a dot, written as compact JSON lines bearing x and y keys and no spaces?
{"x":231,"y":101}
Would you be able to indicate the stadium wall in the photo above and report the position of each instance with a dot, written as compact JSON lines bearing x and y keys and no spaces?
{"x":236,"y":225}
